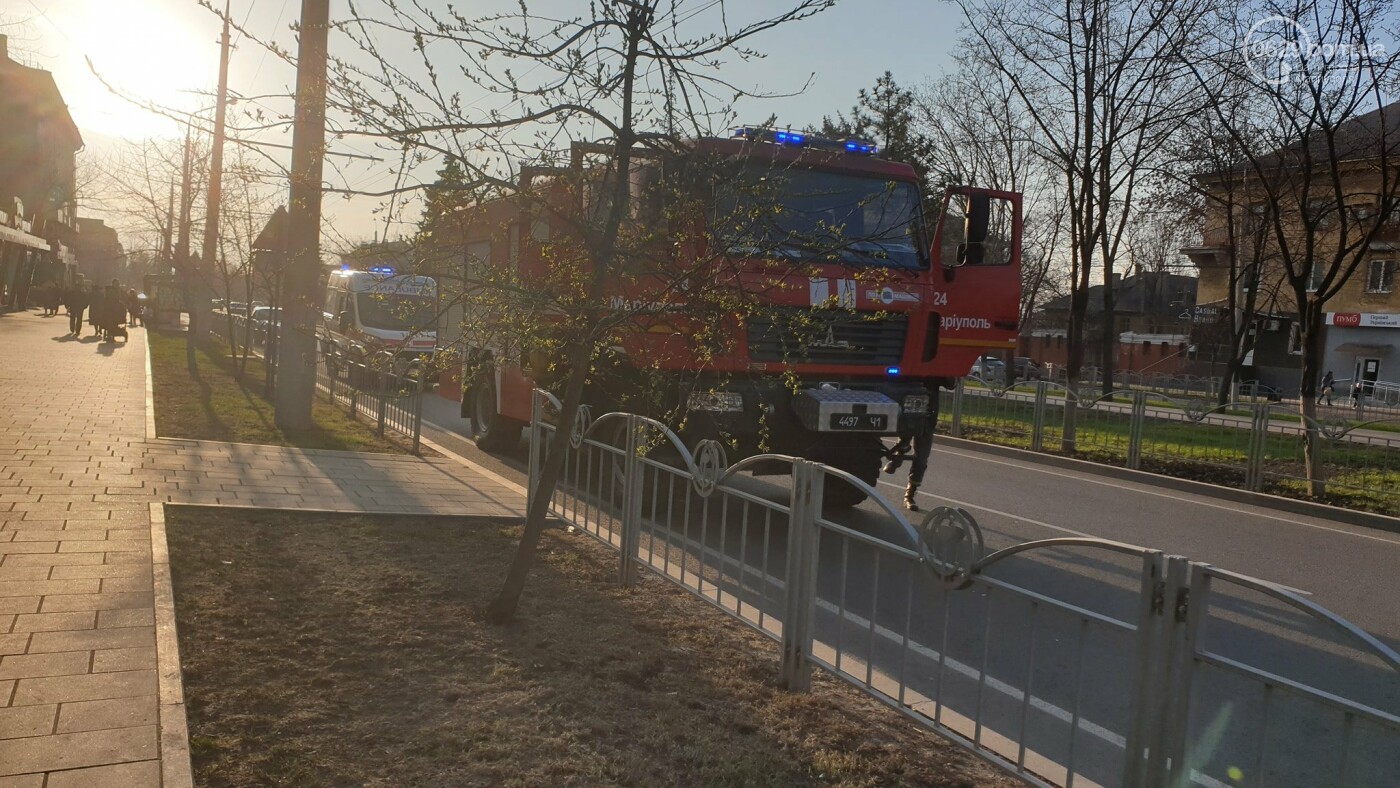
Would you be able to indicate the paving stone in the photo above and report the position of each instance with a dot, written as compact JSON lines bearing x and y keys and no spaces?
{"x":19,"y":604}
{"x":53,"y":559}
{"x":45,"y":587}
{"x":101,"y":714}
{"x":100,"y":571}
{"x":141,"y":774}
{"x":22,"y":781}
{"x":75,"y":750}
{"x":62,"y":603}
{"x":20,"y":721}
{"x":15,"y":643}
{"x":91,"y":639}
{"x":117,"y":619}
{"x":62,"y":663}
{"x":54,"y":622}
{"x":90,"y":686}
{"x":117,"y":659}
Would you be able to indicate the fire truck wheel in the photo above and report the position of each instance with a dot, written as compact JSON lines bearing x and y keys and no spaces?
{"x":494,"y":432}
{"x":861,"y":463}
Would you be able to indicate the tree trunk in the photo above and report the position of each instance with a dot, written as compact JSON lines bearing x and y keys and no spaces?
{"x":296,"y":352}
{"x":580,"y":355}
{"x":502,"y":609}
{"x":1311,"y":317}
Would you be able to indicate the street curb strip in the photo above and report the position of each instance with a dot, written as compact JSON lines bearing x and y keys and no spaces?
{"x":174,"y":733}
{"x":1379,"y":522}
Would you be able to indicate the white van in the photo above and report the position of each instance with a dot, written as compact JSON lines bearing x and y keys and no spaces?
{"x":374,"y":314}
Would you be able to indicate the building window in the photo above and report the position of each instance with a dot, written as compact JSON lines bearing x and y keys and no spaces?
{"x":1380,"y":278}
{"x":1315,"y":277}
{"x":1295,"y":338}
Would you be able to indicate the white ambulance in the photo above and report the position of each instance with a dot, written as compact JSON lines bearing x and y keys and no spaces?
{"x":379,"y":318}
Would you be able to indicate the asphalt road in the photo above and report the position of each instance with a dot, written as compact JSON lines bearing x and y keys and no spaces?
{"x":978,"y":650}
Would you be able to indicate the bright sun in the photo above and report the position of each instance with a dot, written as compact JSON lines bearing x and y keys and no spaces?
{"x":147,"y":49}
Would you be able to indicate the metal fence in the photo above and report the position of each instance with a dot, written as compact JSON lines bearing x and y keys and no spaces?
{"x":1255,"y":445}
{"x":390,"y":400}
{"x":1066,"y":661}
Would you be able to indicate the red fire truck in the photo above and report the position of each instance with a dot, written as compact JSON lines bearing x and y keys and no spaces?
{"x":908,"y":307}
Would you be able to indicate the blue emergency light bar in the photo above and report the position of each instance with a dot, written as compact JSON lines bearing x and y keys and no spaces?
{"x":387,"y":270}
{"x":760,"y":134}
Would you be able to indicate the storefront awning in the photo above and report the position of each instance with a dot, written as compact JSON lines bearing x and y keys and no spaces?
{"x":1363,"y":349}
{"x":11,"y":235}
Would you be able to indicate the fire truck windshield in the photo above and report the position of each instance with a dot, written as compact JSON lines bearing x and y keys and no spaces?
{"x":395,"y":312}
{"x":804,"y":214}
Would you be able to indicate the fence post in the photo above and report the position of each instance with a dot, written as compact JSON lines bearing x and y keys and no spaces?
{"x":1146,"y":709}
{"x":1038,"y":420}
{"x":631,"y":506}
{"x":955,"y":429}
{"x":418,"y":416}
{"x":1135,"y":426}
{"x":1186,"y":603}
{"x":536,"y":434}
{"x":1258,"y":443}
{"x":804,"y":539}
{"x":357,"y":381}
{"x":382,"y":378}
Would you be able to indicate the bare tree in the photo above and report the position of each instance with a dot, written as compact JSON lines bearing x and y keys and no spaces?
{"x":978,"y":132}
{"x":559,"y":113}
{"x":1101,"y":83}
{"x":1317,"y":150}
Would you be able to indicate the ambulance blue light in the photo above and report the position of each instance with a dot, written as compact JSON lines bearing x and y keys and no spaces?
{"x":892,"y":371}
{"x":387,"y":270}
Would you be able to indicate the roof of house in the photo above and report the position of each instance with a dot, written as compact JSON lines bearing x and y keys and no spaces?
{"x":1146,"y":293}
{"x":1363,"y":137}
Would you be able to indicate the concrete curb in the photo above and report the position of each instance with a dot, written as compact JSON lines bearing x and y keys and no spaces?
{"x":1379,"y":522}
{"x":150,"y":393}
{"x":174,"y":731}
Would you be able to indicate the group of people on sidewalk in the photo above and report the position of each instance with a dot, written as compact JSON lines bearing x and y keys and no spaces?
{"x":107,"y":308}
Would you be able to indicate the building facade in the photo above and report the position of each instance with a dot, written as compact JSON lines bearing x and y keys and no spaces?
{"x":1240,"y":263}
{"x":38,"y":171}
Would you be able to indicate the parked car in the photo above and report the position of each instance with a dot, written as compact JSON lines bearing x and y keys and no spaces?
{"x":989,"y":368}
{"x":265,"y":317}
{"x":238,"y":309}
{"x":1028,"y":369}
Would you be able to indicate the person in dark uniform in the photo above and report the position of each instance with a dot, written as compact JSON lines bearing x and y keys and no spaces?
{"x":917,"y":438}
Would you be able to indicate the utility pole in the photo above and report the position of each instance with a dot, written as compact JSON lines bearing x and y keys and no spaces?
{"x":300,"y":296}
{"x":200,"y":311}
{"x":182,"y":250}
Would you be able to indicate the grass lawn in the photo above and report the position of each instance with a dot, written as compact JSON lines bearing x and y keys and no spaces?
{"x":1360,"y":476}
{"x":348,"y":650}
{"x":217,"y":406}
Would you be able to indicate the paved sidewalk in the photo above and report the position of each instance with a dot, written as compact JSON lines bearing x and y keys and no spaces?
{"x":81,"y":703}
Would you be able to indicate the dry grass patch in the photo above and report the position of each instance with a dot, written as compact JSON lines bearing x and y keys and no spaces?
{"x":348,"y":650}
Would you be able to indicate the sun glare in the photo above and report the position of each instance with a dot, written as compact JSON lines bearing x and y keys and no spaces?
{"x":143,"y":51}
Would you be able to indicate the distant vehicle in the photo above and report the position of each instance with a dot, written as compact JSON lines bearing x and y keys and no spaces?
{"x":378,"y":316}
{"x":989,"y":368}
{"x":264,"y":318}
{"x":238,"y":308}
{"x":1027,"y":369}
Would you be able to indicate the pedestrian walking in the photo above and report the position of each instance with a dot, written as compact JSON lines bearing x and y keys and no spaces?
{"x":1328,"y":383}
{"x":77,"y":303}
{"x":1356,"y":391}
{"x":133,"y":307}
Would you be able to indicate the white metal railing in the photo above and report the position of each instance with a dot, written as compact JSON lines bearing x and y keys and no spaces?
{"x":1064,"y":661}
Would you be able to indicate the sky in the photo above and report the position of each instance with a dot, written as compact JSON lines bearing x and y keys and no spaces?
{"x":166,"y":52}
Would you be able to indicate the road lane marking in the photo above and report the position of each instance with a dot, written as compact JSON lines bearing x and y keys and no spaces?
{"x":1030,"y":466}
{"x":1044,"y":524}
{"x":969,"y":505}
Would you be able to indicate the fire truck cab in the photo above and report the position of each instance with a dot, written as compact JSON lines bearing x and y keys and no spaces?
{"x":904,"y":307}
